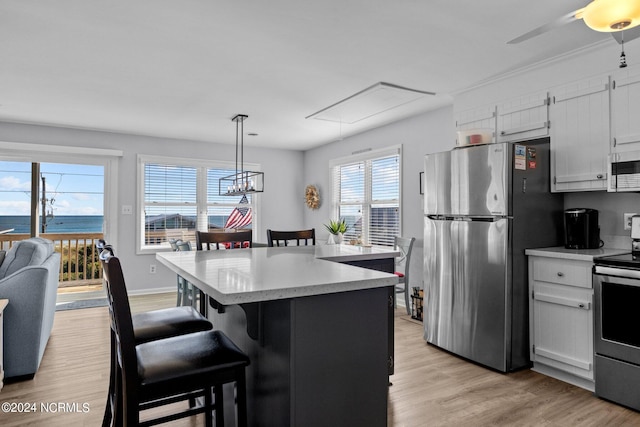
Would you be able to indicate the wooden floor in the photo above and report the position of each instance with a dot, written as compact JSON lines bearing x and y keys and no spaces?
{"x":430,"y":387}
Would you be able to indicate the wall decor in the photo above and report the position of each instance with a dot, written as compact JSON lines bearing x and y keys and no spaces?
{"x":312,"y":197}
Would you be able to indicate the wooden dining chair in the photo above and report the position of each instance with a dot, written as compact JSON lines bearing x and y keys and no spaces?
{"x":208,"y":240}
{"x":282,"y":238}
{"x":147,"y":326}
{"x":169,"y":370}
{"x":405,"y":246}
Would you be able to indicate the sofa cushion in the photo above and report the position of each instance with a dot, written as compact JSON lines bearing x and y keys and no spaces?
{"x":33,"y":251}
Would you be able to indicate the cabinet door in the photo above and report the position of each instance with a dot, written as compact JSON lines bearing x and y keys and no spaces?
{"x":580,"y":135}
{"x":477,"y":118}
{"x":625,"y":110}
{"x":562,"y":328}
{"x":523,"y":118}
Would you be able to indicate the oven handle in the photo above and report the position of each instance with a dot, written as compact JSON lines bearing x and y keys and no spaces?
{"x":617,"y":272}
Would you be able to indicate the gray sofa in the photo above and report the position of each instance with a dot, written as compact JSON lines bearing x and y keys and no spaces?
{"x":29,"y":279}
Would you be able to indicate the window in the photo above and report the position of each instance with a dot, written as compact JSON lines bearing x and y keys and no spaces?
{"x":366,"y":193}
{"x":181,"y":196}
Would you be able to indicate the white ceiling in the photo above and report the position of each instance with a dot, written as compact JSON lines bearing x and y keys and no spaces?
{"x":184,"y":68}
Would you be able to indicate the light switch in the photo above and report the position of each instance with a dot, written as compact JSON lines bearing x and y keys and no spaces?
{"x":127,"y":210}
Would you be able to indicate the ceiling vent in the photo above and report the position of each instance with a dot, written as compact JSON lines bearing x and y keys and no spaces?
{"x":376,"y":99}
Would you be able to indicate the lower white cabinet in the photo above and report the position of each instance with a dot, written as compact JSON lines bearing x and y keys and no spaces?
{"x":561,"y":319}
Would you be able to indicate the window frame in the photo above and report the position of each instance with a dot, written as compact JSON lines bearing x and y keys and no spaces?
{"x":366,"y":157}
{"x":202,"y":205}
{"x":107,"y":158}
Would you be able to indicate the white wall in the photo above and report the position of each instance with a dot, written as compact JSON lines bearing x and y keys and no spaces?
{"x":281,"y":205}
{"x":419,"y":135}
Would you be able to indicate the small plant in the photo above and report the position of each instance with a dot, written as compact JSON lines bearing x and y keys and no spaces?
{"x":337,"y":227}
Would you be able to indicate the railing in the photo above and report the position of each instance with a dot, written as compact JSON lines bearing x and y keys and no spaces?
{"x":79,"y":262}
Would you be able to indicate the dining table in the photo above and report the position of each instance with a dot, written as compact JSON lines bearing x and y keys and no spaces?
{"x":317,"y":326}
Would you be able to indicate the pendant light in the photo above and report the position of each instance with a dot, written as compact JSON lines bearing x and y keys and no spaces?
{"x":242,"y":182}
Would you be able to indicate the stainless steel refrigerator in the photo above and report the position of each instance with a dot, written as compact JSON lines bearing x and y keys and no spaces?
{"x":484,"y":205}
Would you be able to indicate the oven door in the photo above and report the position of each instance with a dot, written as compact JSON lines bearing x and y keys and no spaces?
{"x":617,"y":313}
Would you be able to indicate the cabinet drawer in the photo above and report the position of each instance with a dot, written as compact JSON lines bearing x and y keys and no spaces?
{"x":563,"y":272}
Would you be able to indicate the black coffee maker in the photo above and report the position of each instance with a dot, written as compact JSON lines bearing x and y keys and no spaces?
{"x":581,"y":230}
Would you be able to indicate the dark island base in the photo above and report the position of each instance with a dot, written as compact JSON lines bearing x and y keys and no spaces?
{"x":315,"y":361}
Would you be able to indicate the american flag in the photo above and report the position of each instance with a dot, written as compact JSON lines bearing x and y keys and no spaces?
{"x":240,"y":216}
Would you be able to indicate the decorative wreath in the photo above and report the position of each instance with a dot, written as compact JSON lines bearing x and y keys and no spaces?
{"x":312,"y":197}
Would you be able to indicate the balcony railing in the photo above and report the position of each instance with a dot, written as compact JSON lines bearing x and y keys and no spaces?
{"x":79,"y":262}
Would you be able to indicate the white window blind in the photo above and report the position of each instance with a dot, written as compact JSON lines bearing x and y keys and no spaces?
{"x":366,"y":194}
{"x":182,"y":197}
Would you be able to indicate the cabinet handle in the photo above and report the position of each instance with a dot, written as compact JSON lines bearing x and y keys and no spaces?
{"x":581,"y":305}
{"x":560,"y":274}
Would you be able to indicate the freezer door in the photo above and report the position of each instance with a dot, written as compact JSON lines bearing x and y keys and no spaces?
{"x":480,"y":179}
{"x":438,"y":191}
{"x":466,"y":288}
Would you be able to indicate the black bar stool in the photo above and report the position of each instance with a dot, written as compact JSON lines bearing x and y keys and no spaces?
{"x":148,"y":326}
{"x":169,"y":370}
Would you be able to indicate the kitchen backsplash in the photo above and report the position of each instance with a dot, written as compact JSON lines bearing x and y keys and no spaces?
{"x":611,"y":207}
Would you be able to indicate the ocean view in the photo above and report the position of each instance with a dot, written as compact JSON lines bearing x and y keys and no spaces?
{"x":74,"y":223}
{"x":57,"y":224}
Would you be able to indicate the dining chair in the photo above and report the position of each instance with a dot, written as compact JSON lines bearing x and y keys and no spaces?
{"x":169,"y":370}
{"x":282,"y":238}
{"x":405,"y":246}
{"x":181,"y":282}
{"x":188,"y":294}
{"x":183,"y":245}
{"x":147,"y":326}
{"x":230,"y":239}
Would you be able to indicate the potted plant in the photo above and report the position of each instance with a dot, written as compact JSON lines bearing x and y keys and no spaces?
{"x":336,"y":230}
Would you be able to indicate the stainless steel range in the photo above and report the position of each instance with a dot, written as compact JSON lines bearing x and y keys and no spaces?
{"x":616,"y":282}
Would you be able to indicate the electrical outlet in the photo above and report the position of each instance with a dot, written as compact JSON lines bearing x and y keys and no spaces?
{"x":152,"y":268}
{"x":627,"y":220}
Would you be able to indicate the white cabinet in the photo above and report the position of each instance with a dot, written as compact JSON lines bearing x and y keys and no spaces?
{"x":477,"y":118}
{"x":580,"y":133}
{"x":524,"y":117}
{"x":561,"y":319}
{"x":625,"y":111}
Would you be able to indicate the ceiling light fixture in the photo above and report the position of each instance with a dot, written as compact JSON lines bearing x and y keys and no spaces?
{"x":241,"y":182}
{"x":610,"y":15}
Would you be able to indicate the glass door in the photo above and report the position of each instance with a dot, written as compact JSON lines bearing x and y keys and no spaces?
{"x":60,"y":202}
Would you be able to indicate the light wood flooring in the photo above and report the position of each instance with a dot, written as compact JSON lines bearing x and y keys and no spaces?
{"x":430,"y":387}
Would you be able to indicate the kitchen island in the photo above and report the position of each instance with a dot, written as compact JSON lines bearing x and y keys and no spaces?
{"x":316,"y":331}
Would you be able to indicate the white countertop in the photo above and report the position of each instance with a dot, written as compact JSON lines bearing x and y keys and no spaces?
{"x":575,"y":254}
{"x":345,"y":253}
{"x":264,"y":274}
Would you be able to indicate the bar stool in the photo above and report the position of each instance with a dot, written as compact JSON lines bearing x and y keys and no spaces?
{"x":169,"y":370}
{"x":148,"y":326}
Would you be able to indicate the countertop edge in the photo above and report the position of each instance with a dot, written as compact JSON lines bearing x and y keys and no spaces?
{"x":303,"y":291}
{"x":561,"y":252}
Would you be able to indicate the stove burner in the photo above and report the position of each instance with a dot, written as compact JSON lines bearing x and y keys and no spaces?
{"x":628,"y":260}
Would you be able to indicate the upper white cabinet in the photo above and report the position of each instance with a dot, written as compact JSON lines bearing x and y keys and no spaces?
{"x":579,"y":114}
{"x":524,"y":117}
{"x":625,"y":111}
{"x":477,"y":118}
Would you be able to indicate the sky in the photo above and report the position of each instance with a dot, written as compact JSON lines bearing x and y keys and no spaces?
{"x":70,"y":189}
